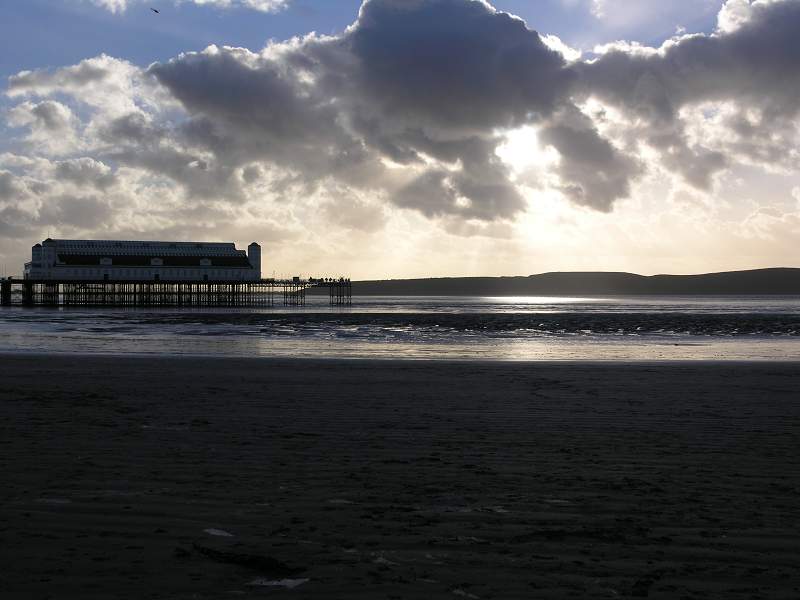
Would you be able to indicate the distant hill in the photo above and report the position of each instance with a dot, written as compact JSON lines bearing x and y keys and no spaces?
{"x":760,"y":282}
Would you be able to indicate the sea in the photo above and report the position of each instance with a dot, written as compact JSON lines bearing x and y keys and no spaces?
{"x":610,"y":328}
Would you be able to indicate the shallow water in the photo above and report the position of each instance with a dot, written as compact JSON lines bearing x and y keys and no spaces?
{"x":535,"y":328}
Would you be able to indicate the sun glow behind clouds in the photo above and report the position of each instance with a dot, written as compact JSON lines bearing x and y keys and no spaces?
{"x":522,"y":151}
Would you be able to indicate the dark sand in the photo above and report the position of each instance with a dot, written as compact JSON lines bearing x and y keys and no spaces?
{"x":397,"y":480}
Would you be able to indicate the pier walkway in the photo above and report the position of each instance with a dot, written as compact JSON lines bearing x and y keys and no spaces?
{"x":263,"y":293}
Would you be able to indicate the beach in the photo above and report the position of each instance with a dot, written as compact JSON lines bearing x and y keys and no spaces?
{"x":160,"y":477}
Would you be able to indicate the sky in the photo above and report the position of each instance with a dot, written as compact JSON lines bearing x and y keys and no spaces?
{"x":408,"y":138}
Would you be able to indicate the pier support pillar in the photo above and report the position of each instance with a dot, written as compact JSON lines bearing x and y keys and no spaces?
{"x":168,"y":293}
{"x":27,"y":293}
{"x":50,"y":294}
{"x":5,"y":293}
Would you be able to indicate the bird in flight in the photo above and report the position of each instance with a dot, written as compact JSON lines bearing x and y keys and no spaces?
{"x":155,"y":11}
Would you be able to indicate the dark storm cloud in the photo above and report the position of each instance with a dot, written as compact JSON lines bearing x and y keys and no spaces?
{"x":245,"y":107}
{"x":133,"y":128}
{"x":594,"y":173}
{"x":409,"y":81}
{"x":452,"y":66}
{"x":480,"y":189}
{"x":430,"y":193}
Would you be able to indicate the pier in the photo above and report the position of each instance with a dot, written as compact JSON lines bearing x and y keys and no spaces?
{"x":231,"y":294}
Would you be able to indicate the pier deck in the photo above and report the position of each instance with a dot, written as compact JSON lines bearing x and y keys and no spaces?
{"x":262,"y":293}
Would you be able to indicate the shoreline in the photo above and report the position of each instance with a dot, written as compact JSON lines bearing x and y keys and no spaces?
{"x":589,"y":362}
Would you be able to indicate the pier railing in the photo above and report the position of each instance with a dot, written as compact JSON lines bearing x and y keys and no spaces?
{"x":262,"y":293}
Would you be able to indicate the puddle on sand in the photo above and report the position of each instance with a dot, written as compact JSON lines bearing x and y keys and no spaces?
{"x":217,"y":532}
{"x":286,"y":583}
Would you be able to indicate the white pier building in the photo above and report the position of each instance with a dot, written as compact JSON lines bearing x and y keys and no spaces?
{"x":112,"y":260}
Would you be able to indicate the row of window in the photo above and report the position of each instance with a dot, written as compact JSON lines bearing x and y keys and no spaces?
{"x":147,"y":272}
{"x":147,"y":249}
{"x":97,"y":244}
{"x":151,"y":251}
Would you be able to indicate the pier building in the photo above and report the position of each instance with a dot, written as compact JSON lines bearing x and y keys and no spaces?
{"x":156,"y":274}
{"x":117,"y":260}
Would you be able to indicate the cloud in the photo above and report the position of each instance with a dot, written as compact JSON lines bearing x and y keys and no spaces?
{"x":50,"y":125}
{"x":82,"y":212}
{"x":85,"y":172}
{"x":269,"y":6}
{"x":110,"y":86}
{"x":451,"y":67}
{"x":353,"y":213}
{"x":10,"y":189}
{"x":594,"y":172}
{"x":115,"y":6}
{"x":555,"y":43}
{"x":40,"y":198}
{"x":50,"y":116}
{"x":426,"y":85}
{"x":14,"y":223}
{"x":748,"y":64}
{"x":67,"y":79}
{"x":683,"y":85}
{"x":403,"y":113}
{"x":734,"y":14}
{"x":260,"y":5}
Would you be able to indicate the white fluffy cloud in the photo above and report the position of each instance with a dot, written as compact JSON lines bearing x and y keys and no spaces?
{"x":119,"y":6}
{"x":115,"y":6}
{"x":50,"y":124}
{"x":705,"y":102}
{"x":736,"y":13}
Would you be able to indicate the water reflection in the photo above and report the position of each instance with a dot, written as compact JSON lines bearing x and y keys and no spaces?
{"x":531,"y":328}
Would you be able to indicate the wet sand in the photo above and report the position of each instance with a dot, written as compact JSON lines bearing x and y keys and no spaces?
{"x":204,"y":478}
